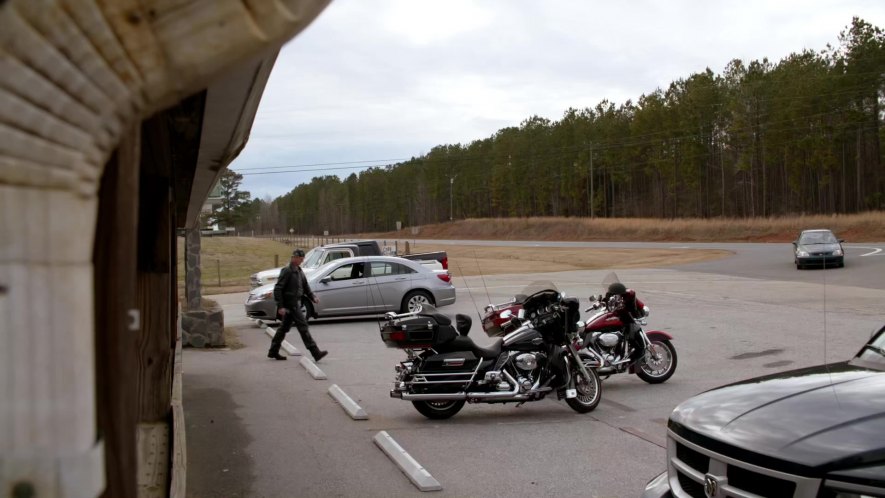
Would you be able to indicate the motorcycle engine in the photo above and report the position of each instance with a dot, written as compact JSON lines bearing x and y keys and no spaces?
{"x":528,"y":365}
{"x":527,"y":361}
{"x":608,"y":339}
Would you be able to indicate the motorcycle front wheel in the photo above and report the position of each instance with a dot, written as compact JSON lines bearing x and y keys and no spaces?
{"x":438,"y":410}
{"x":658,"y":364}
{"x":589,"y":390}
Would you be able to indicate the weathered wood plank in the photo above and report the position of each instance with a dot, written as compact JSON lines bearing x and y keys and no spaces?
{"x":153,"y":459}
{"x":54,"y":24}
{"x":20,"y":79}
{"x":27,"y":117}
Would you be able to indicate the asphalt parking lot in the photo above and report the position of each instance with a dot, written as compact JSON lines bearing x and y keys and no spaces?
{"x":263,"y":428}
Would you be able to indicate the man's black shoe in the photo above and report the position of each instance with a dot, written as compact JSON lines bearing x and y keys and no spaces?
{"x":276,"y":356}
{"x":319,"y":355}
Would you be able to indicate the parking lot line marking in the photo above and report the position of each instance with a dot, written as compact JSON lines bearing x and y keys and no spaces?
{"x":287,"y":346}
{"x":657,"y":441}
{"x":312,"y":368}
{"x":617,"y":405}
{"x":408,"y":465}
{"x":349,"y":405}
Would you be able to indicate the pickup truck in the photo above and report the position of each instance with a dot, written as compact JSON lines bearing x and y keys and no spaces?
{"x":320,"y":255}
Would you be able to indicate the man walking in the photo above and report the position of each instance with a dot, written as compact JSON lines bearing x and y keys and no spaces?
{"x":290,"y":288}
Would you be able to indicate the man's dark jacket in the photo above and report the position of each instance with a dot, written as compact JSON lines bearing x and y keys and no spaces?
{"x":291,"y":287}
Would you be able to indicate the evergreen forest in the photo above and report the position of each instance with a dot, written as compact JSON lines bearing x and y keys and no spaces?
{"x":760,"y":139}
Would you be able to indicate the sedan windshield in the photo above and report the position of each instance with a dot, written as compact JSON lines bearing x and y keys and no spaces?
{"x":811,"y":238}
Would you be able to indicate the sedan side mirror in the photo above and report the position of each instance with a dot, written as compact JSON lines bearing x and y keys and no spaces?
{"x":325,"y":280}
{"x":841,"y":240}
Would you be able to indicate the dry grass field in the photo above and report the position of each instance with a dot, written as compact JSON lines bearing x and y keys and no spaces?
{"x":493,"y":260}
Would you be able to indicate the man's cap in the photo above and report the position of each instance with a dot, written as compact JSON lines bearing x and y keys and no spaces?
{"x":298,"y":252}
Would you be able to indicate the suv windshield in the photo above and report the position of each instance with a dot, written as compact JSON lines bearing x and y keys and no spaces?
{"x":312,"y":258}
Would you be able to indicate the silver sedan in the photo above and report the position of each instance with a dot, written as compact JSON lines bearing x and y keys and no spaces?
{"x":363,"y":286}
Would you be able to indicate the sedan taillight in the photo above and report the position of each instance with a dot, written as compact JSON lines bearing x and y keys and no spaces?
{"x":445,"y":277}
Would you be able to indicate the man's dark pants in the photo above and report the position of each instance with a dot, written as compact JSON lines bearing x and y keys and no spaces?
{"x":295,"y":316}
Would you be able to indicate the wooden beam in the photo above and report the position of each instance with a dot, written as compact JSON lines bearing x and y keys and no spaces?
{"x":154,"y":274}
{"x":115,"y":330}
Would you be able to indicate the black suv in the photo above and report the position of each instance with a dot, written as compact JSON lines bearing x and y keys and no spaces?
{"x":815,"y":432}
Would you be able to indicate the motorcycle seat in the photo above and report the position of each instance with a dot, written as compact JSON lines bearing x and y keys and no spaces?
{"x":441,"y":319}
{"x":464,"y":343}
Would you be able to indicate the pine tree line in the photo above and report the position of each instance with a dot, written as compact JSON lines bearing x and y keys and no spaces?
{"x":760,"y":139}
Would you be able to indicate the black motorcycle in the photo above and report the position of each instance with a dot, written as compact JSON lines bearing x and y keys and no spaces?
{"x":537,"y":357}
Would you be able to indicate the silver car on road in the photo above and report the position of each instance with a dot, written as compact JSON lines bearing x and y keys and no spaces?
{"x":362,"y":286}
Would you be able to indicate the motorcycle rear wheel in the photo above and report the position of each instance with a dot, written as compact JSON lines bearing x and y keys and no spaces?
{"x":589,"y":391}
{"x":438,"y":410}
{"x":662,"y":369}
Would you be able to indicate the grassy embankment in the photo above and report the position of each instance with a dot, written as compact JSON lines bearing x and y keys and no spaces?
{"x":239,"y":257}
{"x":863,"y":227}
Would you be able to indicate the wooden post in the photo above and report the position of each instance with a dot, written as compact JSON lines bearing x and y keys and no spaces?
{"x":158,"y":305}
{"x":116,"y":328}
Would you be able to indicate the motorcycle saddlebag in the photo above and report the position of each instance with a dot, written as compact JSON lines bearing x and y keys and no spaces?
{"x":449,"y":362}
{"x":418,"y":332}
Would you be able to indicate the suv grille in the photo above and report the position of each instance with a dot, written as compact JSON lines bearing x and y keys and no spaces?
{"x":691,"y":464}
{"x":692,"y":488}
{"x":759,"y":484}
{"x":692,"y":458}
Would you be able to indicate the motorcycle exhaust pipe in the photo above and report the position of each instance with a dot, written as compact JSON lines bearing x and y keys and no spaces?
{"x":513,"y":394}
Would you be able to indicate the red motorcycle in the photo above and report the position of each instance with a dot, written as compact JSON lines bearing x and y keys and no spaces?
{"x":613,"y":335}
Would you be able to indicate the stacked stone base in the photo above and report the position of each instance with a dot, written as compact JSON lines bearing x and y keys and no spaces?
{"x":203,"y":329}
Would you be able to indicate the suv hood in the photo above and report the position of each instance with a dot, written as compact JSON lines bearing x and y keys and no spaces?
{"x":817,"y":417}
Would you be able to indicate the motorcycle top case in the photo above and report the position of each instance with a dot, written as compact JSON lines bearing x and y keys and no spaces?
{"x":418,"y":332}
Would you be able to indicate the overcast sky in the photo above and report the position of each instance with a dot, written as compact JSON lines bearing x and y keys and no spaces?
{"x":378,"y":81}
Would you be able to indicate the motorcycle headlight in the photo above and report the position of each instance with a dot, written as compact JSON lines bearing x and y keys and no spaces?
{"x":645,"y":311}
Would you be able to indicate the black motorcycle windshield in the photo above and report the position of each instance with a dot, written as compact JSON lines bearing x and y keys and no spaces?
{"x":534,"y":288}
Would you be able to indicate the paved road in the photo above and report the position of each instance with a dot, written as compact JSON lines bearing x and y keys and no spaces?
{"x":263,"y":428}
{"x":864,"y":263}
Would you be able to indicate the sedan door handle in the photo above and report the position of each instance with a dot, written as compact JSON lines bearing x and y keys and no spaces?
{"x":401,"y":278}
{"x":360,"y":282}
